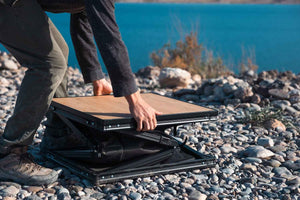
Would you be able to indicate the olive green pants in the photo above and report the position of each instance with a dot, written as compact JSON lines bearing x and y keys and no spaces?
{"x":29,"y":35}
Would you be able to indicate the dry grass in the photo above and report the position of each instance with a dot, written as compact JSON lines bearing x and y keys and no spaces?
{"x":191,"y":56}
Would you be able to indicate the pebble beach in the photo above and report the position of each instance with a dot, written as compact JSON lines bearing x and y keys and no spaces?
{"x":252,"y":161}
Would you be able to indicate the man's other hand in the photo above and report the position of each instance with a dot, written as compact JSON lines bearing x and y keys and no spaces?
{"x":101,"y":87}
{"x":142,"y":112}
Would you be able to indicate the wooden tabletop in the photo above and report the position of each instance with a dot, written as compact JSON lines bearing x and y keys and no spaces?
{"x":108,"y":107}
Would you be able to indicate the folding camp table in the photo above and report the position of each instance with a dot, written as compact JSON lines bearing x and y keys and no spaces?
{"x":106,"y":116}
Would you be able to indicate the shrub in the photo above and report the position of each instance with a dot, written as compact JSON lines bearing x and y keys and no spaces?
{"x":258,"y":118}
{"x":191,"y":56}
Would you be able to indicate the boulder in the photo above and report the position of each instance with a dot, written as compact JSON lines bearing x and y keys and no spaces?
{"x":174,"y":77}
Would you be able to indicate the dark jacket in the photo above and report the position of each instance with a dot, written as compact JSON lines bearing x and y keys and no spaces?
{"x":8,"y":2}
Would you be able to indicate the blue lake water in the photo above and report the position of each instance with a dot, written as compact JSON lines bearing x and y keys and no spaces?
{"x":270,"y":33}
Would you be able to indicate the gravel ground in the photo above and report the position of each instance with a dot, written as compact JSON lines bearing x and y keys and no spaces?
{"x":253,"y":162}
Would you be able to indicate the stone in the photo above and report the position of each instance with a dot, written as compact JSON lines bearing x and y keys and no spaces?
{"x":171,"y":191}
{"x":274,"y":124}
{"x":4,"y":82}
{"x":232,"y":101}
{"x":281,"y":104}
{"x":34,"y":197}
{"x":50,"y":190}
{"x":135,"y":196}
{"x":294,"y":92}
{"x":34,"y":189}
{"x":292,"y":165}
{"x":217,"y":189}
{"x":279,"y":93}
{"x":229,"y":88}
{"x":273,"y":163}
{"x":228,"y":149}
{"x":10,"y":191}
{"x":294,"y":99}
{"x":174,"y":77}
{"x":212,"y":197}
{"x":98,"y":195}
{"x":278,"y":148}
{"x":228,"y":171}
{"x":190,"y":97}
{"x":256,"y":98}
{"x":295,"y":181}
{"x":250,"y":167}
{"x":9,"y":64}
{"x":253,"y":160}
{"x":197,"y":78}
{"x":219,"y":94}
{"x":265,"y":142}
{"x":63,"y":194}
{"x":282,"y":172}
{"x":182,"y":92}
{"x":196,"y":195}
{"x":9,"y":198}
{"x":296,"y":106}
{"x":243,"y":93}
{"x":149,"y":72}
{"x":292,"y":111}
{"x":153,"y":189}
{"x":257,"y":152}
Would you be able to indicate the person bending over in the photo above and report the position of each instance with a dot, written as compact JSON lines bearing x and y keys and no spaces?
{"x":28,"y":33}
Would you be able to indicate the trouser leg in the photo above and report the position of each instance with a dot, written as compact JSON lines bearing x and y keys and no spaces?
{"x":54,"y":125}
{"x":27,"y":33}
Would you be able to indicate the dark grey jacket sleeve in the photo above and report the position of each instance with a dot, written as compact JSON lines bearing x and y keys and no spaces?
{"x":101,"y":15}
{"x":85,"y":48}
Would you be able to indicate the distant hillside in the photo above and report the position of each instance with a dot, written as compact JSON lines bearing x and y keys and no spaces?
{"x":219,"y":1}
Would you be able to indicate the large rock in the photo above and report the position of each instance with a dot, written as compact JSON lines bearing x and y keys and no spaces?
{"x":257,"y":152}
{"x":174,"y":77}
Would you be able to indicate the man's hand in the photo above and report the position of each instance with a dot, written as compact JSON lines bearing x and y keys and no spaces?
{"x":144,"y":114}
{"x":101,"y":87}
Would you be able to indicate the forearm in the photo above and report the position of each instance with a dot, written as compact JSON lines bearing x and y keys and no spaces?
{"x":85,"y":48}
{"x":112,"y":48}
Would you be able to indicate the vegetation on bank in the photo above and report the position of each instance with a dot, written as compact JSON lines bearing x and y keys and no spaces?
{"x":192,"y":56}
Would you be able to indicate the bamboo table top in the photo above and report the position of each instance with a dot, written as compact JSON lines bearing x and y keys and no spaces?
{"x":108,"y":107}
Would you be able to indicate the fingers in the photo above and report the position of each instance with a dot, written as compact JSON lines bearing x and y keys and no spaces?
{"x":139,"y":124}
{"x":154,"y":122}
{"x":149,"y":123}
{"x":147,"y":126}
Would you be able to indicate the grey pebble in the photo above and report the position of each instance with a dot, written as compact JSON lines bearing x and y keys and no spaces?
{"x":135,"y":196}
{"x":10,"y":191}
{"x":196,"y":195}
{"x":282,"y":172}
{"x":171,"y":191}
